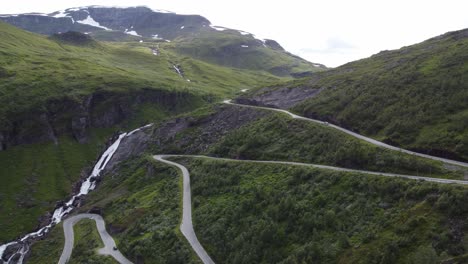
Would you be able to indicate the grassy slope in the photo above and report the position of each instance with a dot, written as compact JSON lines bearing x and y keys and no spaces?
{"x":415,"y":97}
{"x":225,"y":48}
{"x":142,"y":208}
{"x":245,"y":213}
{"x":26,"y":59}
{"x":36,"y":176}
{"x":34,"y":69}
{"x":278,"y":137}
{"x":87,"y":242}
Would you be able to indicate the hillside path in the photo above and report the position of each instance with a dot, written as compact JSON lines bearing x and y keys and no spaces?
{"x":108,"y":241}
{"x":356,"y":135}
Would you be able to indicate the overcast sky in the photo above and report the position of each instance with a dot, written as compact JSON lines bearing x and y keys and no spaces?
{"x":331,"y":32}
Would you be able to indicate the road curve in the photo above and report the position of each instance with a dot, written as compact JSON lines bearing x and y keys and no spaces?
{"x":370,"y":140}
{"x":187,"y":227}
{"x":109,"y":243}
{"x":413,"y":177}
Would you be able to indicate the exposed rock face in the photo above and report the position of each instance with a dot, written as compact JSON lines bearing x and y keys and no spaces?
{"x":130,"y":146}
{"x":280,"y":98}
{"x":197,"y":135}
{"x":70,"y":117}
{"x":185,"y":135}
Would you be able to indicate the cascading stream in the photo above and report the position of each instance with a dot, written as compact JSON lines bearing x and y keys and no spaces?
{"x":88,"y":185}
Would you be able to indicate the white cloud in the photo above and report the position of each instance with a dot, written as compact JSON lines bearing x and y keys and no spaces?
{"x":309,"y":28}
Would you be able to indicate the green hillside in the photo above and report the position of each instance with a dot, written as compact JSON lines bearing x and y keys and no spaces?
{"x":252,"y":213}
{"x":259,"y":213}
{"x":49,"y":84}
{"x":415,"y":97}
{"x":232,"y":49}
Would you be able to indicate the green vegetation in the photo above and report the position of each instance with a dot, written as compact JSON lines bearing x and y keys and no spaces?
{"x":142,"y":207}
{"x":35,"y":177}
{"x":414,"y":97}
{"x":87,"y":242}
{"x":278,"y":137}
{"x":49,"y":249}
{"x":230,"y":48}
{"x":253,"y":213}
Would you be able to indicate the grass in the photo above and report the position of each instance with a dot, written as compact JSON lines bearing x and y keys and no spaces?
{"x":278,"y":137}
{"x":414,"y":97}
{"x":37,"y":176}
{"x":87,"y":242}
{"x":225,"y":48}
{"x":49,"y":249}
{"x":257,"y":213}
{"x":141,"y":205}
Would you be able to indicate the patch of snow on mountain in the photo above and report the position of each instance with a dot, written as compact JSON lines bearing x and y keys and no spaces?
{"x":182,"y":27}
{"x":62,"y":13}
{"x":218,"y":28}
{"x":244,"y":46}
{"x":35,"y":14}
{"x":162,"y":11}
{"x":141,"y":41}
{"x":244,"y":33}
{"x":155,"y":36}
{"x":132,"y":32}
{"x":74,"y":9}
{"x":90,"y":21}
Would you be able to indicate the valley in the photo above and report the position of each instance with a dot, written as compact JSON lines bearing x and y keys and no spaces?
{"x":134,"y":135}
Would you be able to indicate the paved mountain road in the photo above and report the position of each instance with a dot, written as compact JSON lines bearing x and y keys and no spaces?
{"x":370,"y":140}
{"x":109,"y":243}
{"x":413,"y":177}
{"x":187,"y":227}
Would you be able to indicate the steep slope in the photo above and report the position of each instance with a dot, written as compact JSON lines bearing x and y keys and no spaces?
{"x":63,"y":97}
{"x":415,"y":97}
{"x":193,"y":35}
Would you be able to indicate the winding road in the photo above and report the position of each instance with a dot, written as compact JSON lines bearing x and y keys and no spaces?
{"x":356,"y":135}
{"x":187,"y":227}
{"x":109,"y":243}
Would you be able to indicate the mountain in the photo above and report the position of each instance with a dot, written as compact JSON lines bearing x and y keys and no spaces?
{"x":64,"y":96}
{"x":191,"y":35}
{"x":415,"y":97}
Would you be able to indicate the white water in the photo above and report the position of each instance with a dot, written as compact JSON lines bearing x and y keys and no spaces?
{"x":88,"y":185}
{"x":178,"y":70}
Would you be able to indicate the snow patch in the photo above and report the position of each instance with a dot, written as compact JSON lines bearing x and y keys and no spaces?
{"x":62,"y":13}
{"x":244,"y":46}
{"x":73,"y":9}
{"x":182,"y":27}
{"x":317,"y":65}
{"x":90,"y":21}
{"x":156,"y":36}
{"x":244,"y":90}
{"x":162,"y":11}
{"x":243,"y":33}
{"x":218,"y":28}
{"x":132,"y":32}
{"x":141,"y":41}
